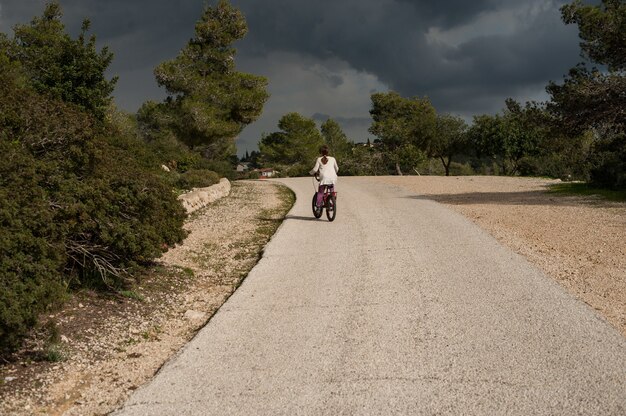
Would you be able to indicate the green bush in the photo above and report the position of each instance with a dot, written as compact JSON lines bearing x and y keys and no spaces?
{"x":31,"y":246}
{"x":172,"y":153}
{"x":120,"y":216}
{"x":608,"y":163}
{"x":461,"y":169}
{"x":81,"y":201}
{"x":430,"y":167}
{"x":197,"y":178}
{"x":223,"y":168}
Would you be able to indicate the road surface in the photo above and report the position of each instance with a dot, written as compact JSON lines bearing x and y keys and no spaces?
{"x":399,"y":306}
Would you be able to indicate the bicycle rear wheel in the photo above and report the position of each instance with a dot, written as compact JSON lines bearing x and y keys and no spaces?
{"x":331,"y":208}
{"x":317,"y":211}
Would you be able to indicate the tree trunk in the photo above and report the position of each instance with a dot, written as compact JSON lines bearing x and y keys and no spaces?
{"x":398,"y":170}
{"x":446,"y":166}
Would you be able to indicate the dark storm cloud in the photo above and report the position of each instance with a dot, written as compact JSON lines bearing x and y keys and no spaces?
{"x":327,"y":56}
{"x":451,"y":12}
{"x":141,"y":34}
{"x":390,"y":38}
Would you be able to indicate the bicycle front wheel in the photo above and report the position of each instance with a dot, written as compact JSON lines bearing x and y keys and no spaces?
{"x":317,"y":211}
{"x":331,"y":208}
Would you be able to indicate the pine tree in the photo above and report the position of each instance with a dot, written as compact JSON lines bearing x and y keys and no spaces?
{"x":210,"y":103}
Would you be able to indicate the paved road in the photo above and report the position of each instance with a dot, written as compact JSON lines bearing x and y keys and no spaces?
{"x":400,"y":306}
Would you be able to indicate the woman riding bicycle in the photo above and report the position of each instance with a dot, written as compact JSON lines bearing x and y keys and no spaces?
{"x":326,"y":168}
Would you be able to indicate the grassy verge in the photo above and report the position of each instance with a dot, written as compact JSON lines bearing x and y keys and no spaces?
{"x":584,"y":189}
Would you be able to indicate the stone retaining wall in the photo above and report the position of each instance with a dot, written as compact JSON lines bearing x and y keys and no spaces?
{"x":201,"y":197}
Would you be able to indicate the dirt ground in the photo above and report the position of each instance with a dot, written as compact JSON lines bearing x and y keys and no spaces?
{"x":110,"y":345}
{"x":578,"y":241}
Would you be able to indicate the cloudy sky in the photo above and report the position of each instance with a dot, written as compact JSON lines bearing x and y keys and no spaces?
{"x":324,"y":58}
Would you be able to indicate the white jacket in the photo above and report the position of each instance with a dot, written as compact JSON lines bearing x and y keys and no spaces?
{"x":328,"y":171}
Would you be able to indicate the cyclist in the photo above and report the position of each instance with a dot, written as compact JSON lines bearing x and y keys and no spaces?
{"x":326,"y":168}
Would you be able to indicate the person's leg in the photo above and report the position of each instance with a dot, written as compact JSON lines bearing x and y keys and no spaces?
{"x":320,"y":195}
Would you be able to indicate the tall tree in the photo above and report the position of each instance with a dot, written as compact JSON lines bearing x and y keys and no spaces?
{"x":297,"y":142}
{"x":506,"y":138}
{"x":402,"y":124}
{"x":595,"y":100}
{"x":57,"y":65}
{"x":336,"y":139}
{"x":210,"y":103}
{"x":449,"y":140}
{"x":486,"y":136}
{"x":602,"y":29}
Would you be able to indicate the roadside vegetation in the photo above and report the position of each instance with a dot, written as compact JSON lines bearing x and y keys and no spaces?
{"x":579,"y":134}
{"x":585,"y":189}
{"x":88,"y":193}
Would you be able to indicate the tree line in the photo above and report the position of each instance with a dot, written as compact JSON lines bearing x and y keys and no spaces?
{"x":88,"y":193}
{"x":578,"y":134}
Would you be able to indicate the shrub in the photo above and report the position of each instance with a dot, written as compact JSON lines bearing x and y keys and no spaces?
{"x":223,"y":168}
{"x":461,"y":169}
{"x":31,"y":248}
{"x":121,"y":216}
{"x":608,"y":164}
{"x":197,"y":178}
{"x":171,"y":152}
{"x":431,"y":167}
{"x":76,"y":205}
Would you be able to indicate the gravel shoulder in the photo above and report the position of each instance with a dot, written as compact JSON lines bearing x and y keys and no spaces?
{"x":578,"y":241}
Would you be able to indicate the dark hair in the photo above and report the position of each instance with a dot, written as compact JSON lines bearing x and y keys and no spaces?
{"x":324,"y":150}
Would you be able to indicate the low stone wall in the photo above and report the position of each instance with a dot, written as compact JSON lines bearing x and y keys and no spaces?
{"x":201,"y":197}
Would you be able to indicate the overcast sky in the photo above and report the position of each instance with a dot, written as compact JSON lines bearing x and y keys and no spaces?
{"x":324,"y":58}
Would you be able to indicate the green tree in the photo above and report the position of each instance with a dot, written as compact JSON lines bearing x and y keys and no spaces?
{"x":524,"y":132}
{"x":210,"y":103}
{"x":57,"y":65}
{"x":594,"y":100}
{"x":364,"y":161}
{"x":336,"y":139}
{"x":507,"y":138}
{"x":402,"y":124}
{"x":449,"y":140}
{"x":486,"y":136}
{"x":296,"y":144}
{"x":602,"y":29}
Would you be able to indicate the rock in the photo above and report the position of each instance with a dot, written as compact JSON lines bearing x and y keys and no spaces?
{"x":65,"y":339}
{"x":9,"y":379}
{"x":201,"y":197}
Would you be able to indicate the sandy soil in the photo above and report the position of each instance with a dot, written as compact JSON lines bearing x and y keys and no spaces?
{"x":113,"y":344}
{"x":578,"y":241}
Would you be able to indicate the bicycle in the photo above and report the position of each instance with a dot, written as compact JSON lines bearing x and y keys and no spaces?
{"x":329,"y":202}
